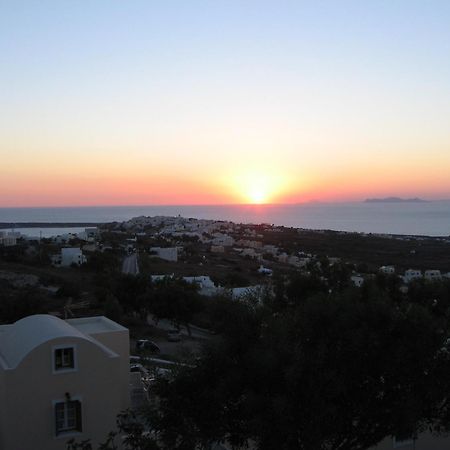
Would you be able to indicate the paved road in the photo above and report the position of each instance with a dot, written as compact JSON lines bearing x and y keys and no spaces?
{"x":164,"y":324}
{"x":130,"y":265}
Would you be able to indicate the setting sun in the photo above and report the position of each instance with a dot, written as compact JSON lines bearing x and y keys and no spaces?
{"x":257,"y":187}
{"x":258,"y":190}
{"x":257,"y":195}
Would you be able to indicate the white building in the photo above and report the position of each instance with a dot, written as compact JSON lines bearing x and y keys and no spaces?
{"x":205,"y":284}
{"x":65,"y":238}
{"x":61,"y":379}
{"x":283,"y":257}
{"x":8,"y":239}
{"x":412,"y":274}
{"x":265,"y":271}
{"x":166,"y":253}
{"x":388,"y":270}
{"x":222,"y":239}
{"x":433,"y":275}
{"x":296,"y":261}
{"x":158,"y":278}
{"x":333,"y":260}
{"x":249,"y":243}
{"x":271,"y":249}
{"x":90,"y":234}
{"x":69,"y":256}
{"x":357,"y":280}
{"x":251,"y":253}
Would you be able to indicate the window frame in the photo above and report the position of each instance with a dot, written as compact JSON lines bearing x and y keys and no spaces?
{"x":77,"y":429}
{"x":63,"y":369}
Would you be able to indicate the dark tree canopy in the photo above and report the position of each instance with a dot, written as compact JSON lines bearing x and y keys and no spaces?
{"x":176,"y":300}
{"x":339,"y":371}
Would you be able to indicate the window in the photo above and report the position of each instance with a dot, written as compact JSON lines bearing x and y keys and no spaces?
{"x":64,"y":358}
{"x":403,"y":441}
{"x":67,"y":416}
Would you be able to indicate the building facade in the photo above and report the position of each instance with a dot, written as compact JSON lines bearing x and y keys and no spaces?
{"x":61,"y":379}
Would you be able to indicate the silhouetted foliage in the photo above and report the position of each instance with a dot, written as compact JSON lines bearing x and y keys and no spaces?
{"x":339,"y":371}
{"x":176,"y":300}
{"x":68,"y":289}
{"x":131,"y":433}
{"x":16,"y":304}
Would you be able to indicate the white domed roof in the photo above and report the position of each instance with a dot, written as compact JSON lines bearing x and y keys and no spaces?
{"x":19,"y":339}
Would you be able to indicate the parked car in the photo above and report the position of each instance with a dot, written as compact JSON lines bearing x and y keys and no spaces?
{"x":173,"y":336}
{"x":146,"y":345}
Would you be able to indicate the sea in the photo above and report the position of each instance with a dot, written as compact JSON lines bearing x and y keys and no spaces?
{"x":407,"y":218}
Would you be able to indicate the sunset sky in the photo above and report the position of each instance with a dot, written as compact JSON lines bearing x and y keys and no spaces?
{"x":212,"y":102}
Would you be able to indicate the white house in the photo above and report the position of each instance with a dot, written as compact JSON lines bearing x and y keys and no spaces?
{"x":271,"y":249}
{"x":249,"y":243}
{"x":388,"y":270}
{"x":89,"y":234}
{"x":166,"y":253}
{"x":222,"y":239}
{"x":265,"y":271}
{"x":296,"y":261}
{"x":357,"y":280}
{"x":69,"y":256}
{"x":158,"y":278}
{"x":61,"y":379}
{"x":251,"y":253}
{"x":92,"y":232}
{"x":433,"y":275}
{"x":205,"y":284}
{"x":283,"y":257}
{"x":412,"y":274}
{"x":7,"y":239}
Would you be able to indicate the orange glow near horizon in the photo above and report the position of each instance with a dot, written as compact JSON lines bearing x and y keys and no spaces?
{"x":258,"y":186}
{"x":146,"y":181}
{"x":251,"y":187}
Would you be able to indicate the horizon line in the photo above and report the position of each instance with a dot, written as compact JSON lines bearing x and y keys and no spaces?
{"x":140,"y":205}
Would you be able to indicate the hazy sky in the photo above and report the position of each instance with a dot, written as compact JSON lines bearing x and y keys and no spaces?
{"x":172,"y":102}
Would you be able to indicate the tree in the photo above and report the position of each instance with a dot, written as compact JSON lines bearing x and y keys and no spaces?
{"x":340,"y":371}
{"x":112,"y":308}
{"x":133,"y":436}
{"x":16,"y":304}
{"x":176,"y":300}
{"x":130,"y":291}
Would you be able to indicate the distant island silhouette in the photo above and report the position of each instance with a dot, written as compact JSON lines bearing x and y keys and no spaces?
{"x":395,"y":200}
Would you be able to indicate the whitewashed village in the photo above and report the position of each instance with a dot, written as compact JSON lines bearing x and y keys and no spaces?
{"x":89,"y":314}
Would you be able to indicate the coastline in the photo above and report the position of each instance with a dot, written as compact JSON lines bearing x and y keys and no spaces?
{"x":9,"y":225}
{"x":410,"y":219}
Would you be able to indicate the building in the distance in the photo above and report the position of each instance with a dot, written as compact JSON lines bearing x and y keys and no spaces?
{"x":69,"y":256}
{"x":166,"y":253}
{"x":387,"y":270}
{"x":61,"y":379}
{"x":8,"y":239}
{"x":205,"y":285}
{"x":433,"y":275}
{"x":412,"y":274}
{"x":357,"y":280}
